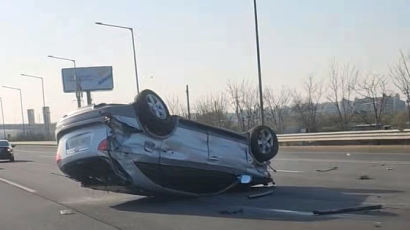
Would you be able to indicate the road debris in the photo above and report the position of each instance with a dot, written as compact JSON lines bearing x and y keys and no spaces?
{"x":377,"y":224}
{"x":327,"y":170}
{"x":274,"y":170}
{"x":365,"y":177}
{"x":348,"y":154}
{"x":226,"y":212}
{"x":66,"y":212}
{"x":346,"y":210}
{"x":262,"y":194}
{"x":389,"y":169}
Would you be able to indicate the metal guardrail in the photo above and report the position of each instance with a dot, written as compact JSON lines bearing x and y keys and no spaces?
{"x":372,"y":135}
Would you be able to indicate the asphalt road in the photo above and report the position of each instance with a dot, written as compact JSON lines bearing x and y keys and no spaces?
{"x":33,"y":192}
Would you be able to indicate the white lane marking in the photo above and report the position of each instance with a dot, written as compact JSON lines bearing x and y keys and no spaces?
{"x":346,"y":161}
{"x":288,"y":171}
{"x":284,"y":211}
{"x":18,"y":185}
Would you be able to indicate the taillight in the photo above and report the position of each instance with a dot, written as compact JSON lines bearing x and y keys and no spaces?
{"x":58,"y":157}
{"x":104,"y":145}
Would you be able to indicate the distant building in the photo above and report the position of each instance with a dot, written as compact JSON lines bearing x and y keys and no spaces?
{"x":391,"y":104}
{"x":330,"y":107}
{"x":30,"y":115}
{"x":394,"y":104}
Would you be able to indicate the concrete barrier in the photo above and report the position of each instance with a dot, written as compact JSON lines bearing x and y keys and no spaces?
{"x":43,"y":143}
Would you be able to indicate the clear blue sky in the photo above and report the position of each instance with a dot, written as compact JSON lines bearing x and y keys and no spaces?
{"x":203,"y":43}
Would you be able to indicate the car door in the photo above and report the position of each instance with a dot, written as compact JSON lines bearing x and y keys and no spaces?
{"x":227,"y":151}
{"x":184,"y":160}
{"x":186,"y":148}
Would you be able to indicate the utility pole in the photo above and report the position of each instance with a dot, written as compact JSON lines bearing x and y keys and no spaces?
{"x":259,"y":63}
{"x":89,"y":99}
{"x":187,"y":102}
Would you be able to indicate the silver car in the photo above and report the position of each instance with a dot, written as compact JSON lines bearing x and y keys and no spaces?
{"x":139,"y":148}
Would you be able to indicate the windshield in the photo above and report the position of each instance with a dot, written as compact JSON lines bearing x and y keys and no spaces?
{"x":4,"y":143}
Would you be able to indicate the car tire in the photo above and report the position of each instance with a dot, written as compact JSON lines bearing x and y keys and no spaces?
{"x":264,"y":143}
{"x":12,"y":159}
{"x":153,"y":113}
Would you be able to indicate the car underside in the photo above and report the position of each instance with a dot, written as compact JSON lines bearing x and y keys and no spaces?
{"x":128,"y":149}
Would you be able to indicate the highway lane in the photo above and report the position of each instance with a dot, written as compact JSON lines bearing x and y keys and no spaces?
{"x":300,"y":188}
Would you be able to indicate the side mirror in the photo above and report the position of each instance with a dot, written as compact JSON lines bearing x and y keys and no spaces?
{"x":13,"y":145}
{"x":245,"y":179}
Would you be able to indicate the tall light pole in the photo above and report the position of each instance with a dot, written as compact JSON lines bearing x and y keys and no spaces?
{"x":42,"y":85}
{"x":44,"y":100}
{"x":21,"y":104}
{"x":77,"y":82}
{"x":259,"y":62}
{"x":133,"y":48}
{"x":2,"y":116}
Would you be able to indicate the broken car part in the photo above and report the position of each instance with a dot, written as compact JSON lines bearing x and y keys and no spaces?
{"x":327,"y":170}
{"x":262,"y":194}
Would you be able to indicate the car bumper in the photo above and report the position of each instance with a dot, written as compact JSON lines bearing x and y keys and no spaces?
{"x":5,"y":155}
{"x":92,"y":171}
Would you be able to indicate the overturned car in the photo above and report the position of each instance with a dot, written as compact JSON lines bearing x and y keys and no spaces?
{"x":139,"y":148}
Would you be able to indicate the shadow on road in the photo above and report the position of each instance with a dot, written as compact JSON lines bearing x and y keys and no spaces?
{"x":286,"y":203}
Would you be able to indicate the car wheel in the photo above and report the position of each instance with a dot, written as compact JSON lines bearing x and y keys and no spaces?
{"x":12,"y":159}
{"x":264,"y":143}
{"x":153,"y":113}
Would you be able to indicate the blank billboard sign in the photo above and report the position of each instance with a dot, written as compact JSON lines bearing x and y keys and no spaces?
{"x":89,"y":78}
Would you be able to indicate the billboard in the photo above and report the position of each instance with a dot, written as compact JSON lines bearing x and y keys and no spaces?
{"x":90,"y":78}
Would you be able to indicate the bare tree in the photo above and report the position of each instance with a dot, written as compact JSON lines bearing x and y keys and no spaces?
{"x":342,"y":82}
{"x":214,"y":111}
{"x":401,"y":78}
{"x":244,"y":100}
{"x":306,"y":107}
{"x":276,"y":107}
{"x":175,"y":106}
{"x":374,"y":90}
{"x":251,"y":107}
{"x":235,"y":92}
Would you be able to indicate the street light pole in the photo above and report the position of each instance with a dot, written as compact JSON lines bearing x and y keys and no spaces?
{"x":42,"y":85}
{"x":133,"y":48}
{"x":2,"y":116}
{"x":46,"y":125}
{"x":21,"y":104}
{"x":259,"y":63}
{"x":77,"y":82}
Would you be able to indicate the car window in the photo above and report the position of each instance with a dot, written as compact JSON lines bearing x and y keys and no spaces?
{"x":4,"y":144}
